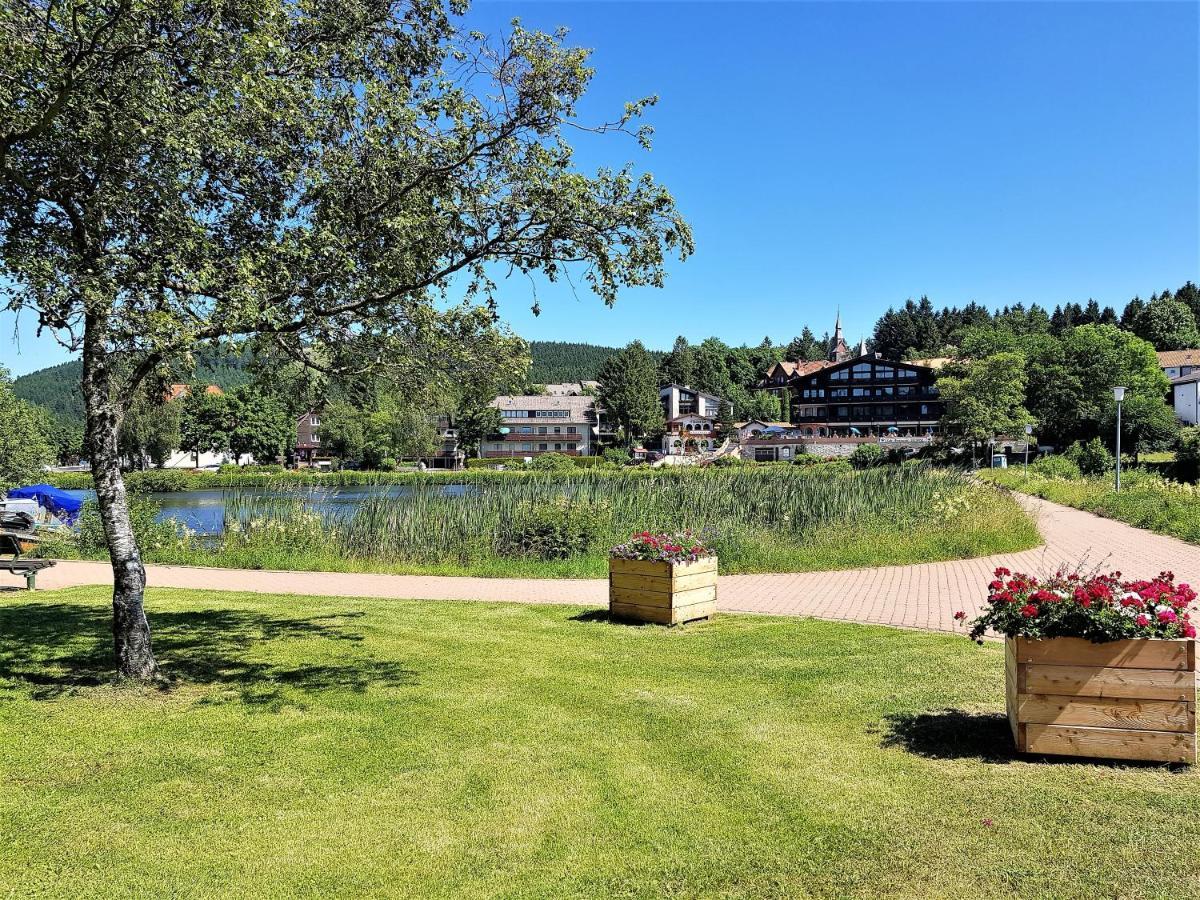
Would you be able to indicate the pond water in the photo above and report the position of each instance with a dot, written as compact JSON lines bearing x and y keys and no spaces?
{"x":204,"y":511}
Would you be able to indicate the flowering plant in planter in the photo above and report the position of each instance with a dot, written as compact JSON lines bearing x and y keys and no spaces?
{"x":1098,"y":607}
{"x":676,"y":547}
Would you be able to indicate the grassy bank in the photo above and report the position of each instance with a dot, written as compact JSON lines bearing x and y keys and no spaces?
{"x":770,"y":519}
{"x":1146,"y":500}
{"x":316,"y":747}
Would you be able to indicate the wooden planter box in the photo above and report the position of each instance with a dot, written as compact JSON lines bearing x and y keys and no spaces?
{"x":1133,"y":699}
{"x":662,"y":592}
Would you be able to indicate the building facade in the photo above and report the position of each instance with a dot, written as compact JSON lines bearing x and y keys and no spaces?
{"x":536,"y":424}
{"x":864,"y":396}
{"x":308,"y":449}
{"x":691,"y":420}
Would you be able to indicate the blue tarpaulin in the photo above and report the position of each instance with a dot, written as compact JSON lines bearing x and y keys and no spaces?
{"x":58,"y":502}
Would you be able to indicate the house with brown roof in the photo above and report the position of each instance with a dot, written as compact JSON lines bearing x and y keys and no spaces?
{"x":1185,"y":396}
{"x":1178,"y":363}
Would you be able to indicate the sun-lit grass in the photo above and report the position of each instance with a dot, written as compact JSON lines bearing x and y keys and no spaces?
{"x":1146,"y":500}
{"x":321,"y":747}
{"x":770,"y":519}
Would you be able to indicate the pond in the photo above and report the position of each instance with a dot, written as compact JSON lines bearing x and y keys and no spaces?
{"x":204,"y":511}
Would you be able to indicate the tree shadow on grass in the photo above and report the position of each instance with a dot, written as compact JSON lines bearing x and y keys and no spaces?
{"x":55,"y":648}
{"x":603,"y":615}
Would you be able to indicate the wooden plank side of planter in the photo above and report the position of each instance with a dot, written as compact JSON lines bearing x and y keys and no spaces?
{"x":658,"y":569}
{"x":654,"y":583}
{"x":1129,"y":654}
{"x":1101,"y":681}
{"x":1117,"y":712}
{"x":1111,"y":743}
{"x":639,"y":596}
{"x":661,"y":615}
{"x":1012,"y":690}
{"x":653,"y":568}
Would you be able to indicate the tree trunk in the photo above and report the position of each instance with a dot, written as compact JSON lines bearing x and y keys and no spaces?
{"x":131,"y":631}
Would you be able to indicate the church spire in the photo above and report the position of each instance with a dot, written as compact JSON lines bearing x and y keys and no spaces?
{"x":837,"y":327}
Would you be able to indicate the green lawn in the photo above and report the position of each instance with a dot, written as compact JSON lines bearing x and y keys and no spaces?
{"x":331,"y":747}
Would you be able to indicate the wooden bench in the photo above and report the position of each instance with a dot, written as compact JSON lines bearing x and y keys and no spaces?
{"x":26,"y":567}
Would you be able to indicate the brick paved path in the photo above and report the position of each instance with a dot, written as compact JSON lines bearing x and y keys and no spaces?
{"x":918,"y":596}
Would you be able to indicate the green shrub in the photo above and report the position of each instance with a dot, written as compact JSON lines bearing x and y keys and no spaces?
{"x":588,"y":462}
{"x":1092,"y":458}
{"x":150,"y":533}
{"x":1187,"y":454}
{"x":866,"y":456}
{"x":728,"y":462}
{"x":553,"y":462}
{"x":553,"y":529}
{"x":808,"y":459}
{"x":162,"y":481}
{"x":1055,"y":467}
{"x":263,"y":469}
{"x":482,"y":463}
{"x":619,"y":456}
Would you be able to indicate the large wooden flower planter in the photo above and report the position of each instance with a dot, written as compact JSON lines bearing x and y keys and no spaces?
{"x":662,"y":592}
{"x":1133,"y":699}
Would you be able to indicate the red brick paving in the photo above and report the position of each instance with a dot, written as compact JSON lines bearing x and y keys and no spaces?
{"x":919,"y":596}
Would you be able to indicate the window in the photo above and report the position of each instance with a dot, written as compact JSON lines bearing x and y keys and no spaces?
{"x":571,"y":429}
{"x":315,"y":421}
{"x":316,"y":439}
{"x":924,"y":409}
{"x":558,"y":446}
{"x":885,"y":372}
{"x":516,"y":414}
{"x":840,"y":375}
{"x":843,"y":411}
{"x":526,"y":429}
{"x":906,"y":373}
{"x":551,"y":413}
{"x":860,"y":392}
{"x":571,"y":446}
{"x":541,"y":429}
{"x":839,"y":393}
{"x":887,"y":411}
{"x":884,"y":391}
{"x":905,"y":391}
{"x":862,"y":372}
{"x":523,"y":446}
{"x":541,"y":446}
{"x":558,"y":429}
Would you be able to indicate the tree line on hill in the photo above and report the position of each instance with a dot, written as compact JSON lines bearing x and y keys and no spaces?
{"x":1168,"y":320}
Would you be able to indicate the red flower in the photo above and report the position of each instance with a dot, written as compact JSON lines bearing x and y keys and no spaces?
{"x":1002,"y":572}
{"x":1189,"y":631}
{"x":1029,"y":610}
{"x":960,"y":615}
{"x":1142,"y":620}
{"x":1167,"y":615}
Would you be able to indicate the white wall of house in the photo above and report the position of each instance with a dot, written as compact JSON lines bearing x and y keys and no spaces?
{"x":1187,"y":402}
{"x":182,"y":459}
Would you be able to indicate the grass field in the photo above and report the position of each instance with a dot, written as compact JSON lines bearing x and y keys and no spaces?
{"x":769,"y":519}
{"x":317,"y":747}
{"x":1146,"y":500}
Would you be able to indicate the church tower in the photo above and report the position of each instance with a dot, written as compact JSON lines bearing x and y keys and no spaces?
{"x":838,"y":351}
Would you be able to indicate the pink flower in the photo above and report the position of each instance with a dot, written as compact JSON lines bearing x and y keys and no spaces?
{"x":1143,"y":620}
{"x":1167,"y":615}
{"x":1189,"y":631}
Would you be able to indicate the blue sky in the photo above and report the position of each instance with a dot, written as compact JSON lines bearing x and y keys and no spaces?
{"x":857,"y":154}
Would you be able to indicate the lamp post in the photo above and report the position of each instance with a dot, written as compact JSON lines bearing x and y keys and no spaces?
{"x":1118,"y":395}
{"x":1028,"y":432}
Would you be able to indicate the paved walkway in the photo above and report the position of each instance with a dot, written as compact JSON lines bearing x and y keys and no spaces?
{"x":918,"y":596}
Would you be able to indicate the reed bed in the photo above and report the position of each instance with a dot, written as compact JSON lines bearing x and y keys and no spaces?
{"x":760,"y":519}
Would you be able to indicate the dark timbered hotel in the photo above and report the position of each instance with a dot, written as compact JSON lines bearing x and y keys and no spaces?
{"x":857,"y":395}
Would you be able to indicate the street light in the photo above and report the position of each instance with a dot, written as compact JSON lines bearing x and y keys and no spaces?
{"x":1118,"y":395}
{"x":1028,"y":432}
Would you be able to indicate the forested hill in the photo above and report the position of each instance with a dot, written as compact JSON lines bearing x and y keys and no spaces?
{"x":555,"y":361}
{"x":57,"y":388}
